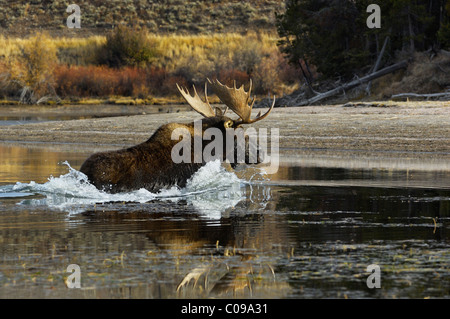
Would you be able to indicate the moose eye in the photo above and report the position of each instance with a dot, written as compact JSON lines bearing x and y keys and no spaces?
{"x":228,"y":124}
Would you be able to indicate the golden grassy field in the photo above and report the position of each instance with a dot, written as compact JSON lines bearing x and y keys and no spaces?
{"x":50,"y":69}
{"x":171,"y":46}
{"x":70,"y":65}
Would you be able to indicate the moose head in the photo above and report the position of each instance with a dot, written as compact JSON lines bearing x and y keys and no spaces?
{"x":166,"y":159}
{"x":238,"y":100}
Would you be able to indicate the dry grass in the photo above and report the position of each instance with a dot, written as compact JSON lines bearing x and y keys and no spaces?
{"x":423,"y":75}
{"x":175,"y":48}
{"x":171,"y":47}
{"x":102,"y":81}
{"x":186,"y":60}
{"x":183,"y":59}
{"x":162,"y":16}
{"x":29,"y":69}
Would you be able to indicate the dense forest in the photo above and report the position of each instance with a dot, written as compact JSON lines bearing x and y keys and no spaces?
{"x":333,"y":36}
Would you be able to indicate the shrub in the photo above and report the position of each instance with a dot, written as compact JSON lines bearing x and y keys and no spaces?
{"x":229,"y":76}
{"x":132,"y":82}
{"x":421,"y":76}
{"x":169,"y":87}
{"x":102,"y":81}
{"x":248,"y":56}
{"x":185,"y":60}
{"x":85,"y":81}
{"x":126,"y":47}
{"x":7,"y":87}
{"x":32,"y":69}
{"x":275,"y":75}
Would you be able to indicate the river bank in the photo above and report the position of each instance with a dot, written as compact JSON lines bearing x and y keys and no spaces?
{"x":413,"y":135}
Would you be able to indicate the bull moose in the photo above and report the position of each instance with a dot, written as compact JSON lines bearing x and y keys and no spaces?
{"x":150,"y":165}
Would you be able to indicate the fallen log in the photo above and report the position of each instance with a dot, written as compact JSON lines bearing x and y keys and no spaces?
{"x":421,"y":96}
{"x":355,"y":83}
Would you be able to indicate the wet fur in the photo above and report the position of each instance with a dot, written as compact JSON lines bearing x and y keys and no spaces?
{"x":148,"y":165}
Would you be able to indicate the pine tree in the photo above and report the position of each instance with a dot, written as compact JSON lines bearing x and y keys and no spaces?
{"x":333,"y":36}
{"x":444,"y":28}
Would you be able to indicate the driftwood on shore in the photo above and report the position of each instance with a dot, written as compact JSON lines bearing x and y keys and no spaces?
{"x":300,"y":100}
{"x":402,"y":96}
{"x":355,"y":83}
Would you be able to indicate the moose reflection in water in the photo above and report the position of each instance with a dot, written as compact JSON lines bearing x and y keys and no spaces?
{"x":214,"y":261}
{"x":151,"y":165}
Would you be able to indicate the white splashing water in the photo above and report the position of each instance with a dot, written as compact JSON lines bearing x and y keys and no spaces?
{"x":206,"y":190}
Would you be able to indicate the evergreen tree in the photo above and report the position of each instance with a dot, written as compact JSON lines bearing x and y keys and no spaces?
{"x":333,"y":36}
{"x":444,"y":30}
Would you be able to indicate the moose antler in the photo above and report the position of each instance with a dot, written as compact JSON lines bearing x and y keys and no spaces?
{"x":238,"y":101}
{"x":204,"y":108}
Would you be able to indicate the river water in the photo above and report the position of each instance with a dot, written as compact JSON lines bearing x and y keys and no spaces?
{"x":305,"y":232}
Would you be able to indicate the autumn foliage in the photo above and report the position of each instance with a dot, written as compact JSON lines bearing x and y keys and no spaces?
{"x":103,"y":81}
{"x":134,"y":63}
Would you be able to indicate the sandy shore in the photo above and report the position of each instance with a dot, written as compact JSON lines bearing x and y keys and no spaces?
{"x":392,"y":134}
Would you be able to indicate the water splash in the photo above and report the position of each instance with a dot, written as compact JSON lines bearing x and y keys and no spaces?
{"x":72,"y":192}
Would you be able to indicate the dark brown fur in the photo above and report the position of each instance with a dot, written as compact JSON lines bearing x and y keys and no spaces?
{"x":148,"y":165}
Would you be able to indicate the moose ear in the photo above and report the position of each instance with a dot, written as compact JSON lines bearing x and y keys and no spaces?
{"x":228,"y":124}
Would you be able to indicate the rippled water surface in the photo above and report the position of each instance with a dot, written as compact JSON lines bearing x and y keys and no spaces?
{"x":305,"y":232}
